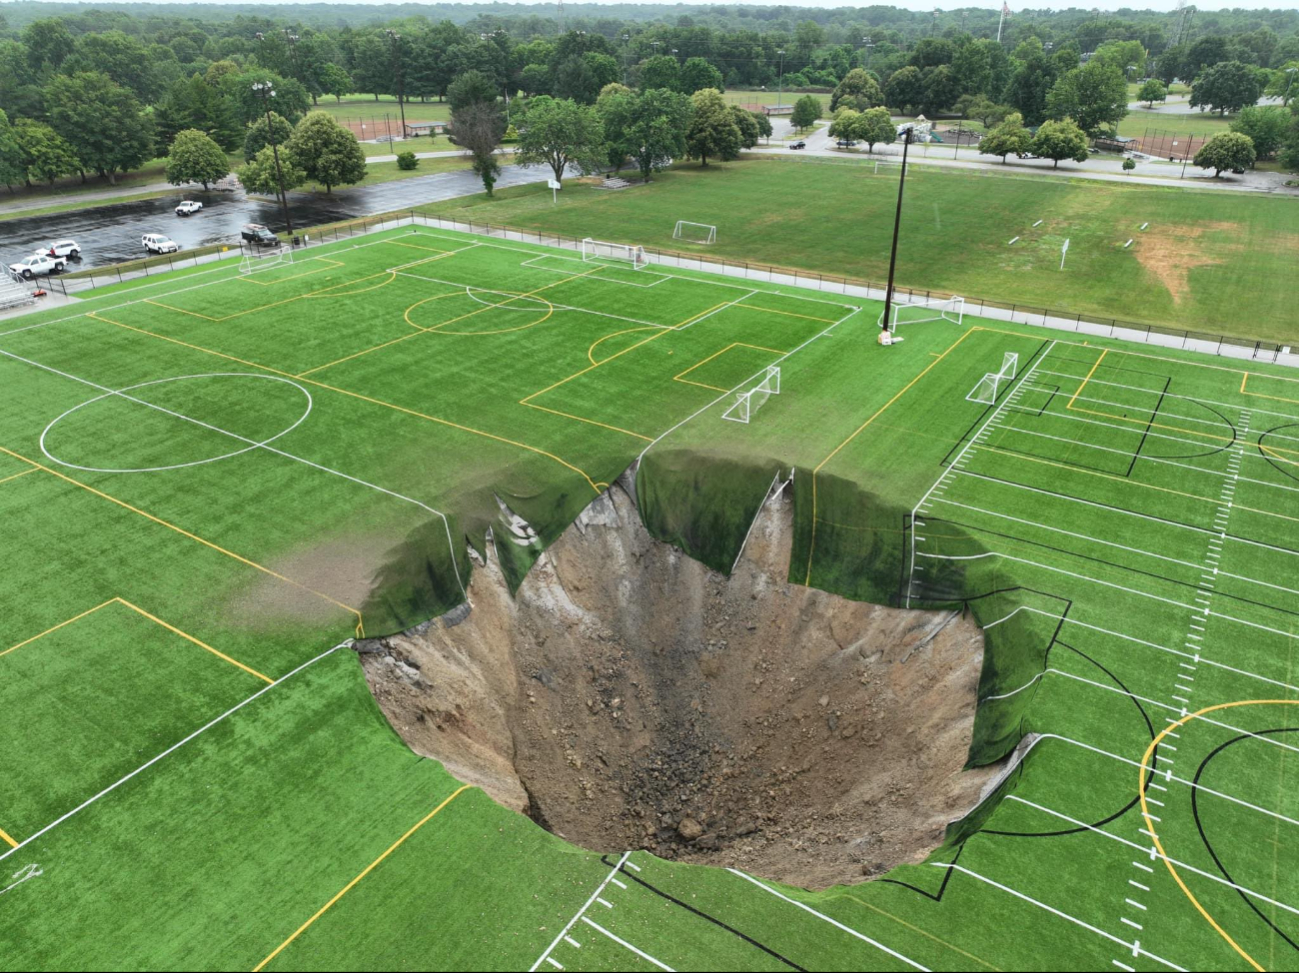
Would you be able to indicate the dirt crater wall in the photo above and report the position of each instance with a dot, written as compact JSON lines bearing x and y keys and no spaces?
{"x":630,"y":697}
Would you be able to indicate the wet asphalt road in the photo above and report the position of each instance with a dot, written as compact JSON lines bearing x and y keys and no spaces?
{"x":111,"y":234}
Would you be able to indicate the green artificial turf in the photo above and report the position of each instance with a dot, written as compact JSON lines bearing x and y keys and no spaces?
{"x":1208,"y":261}
{"x":211,"y":479}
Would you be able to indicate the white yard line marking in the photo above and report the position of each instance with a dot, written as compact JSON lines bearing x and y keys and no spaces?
{"x":572,"y":922}
{"x":626,"y":945}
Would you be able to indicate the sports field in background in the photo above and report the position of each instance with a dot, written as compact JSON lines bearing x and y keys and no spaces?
{"x":1207,"y":261}
{"x":211,"y":479}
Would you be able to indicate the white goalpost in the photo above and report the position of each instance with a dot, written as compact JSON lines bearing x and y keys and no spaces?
{"x":695,"y":232}
{"x":265,"y":259}
{"x":750,"y":400}
{"x":939,"y":309}
{"x":986,"y":391}
{"x":627,"y":253}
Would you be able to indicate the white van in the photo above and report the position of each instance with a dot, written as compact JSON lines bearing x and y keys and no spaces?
{"x":157,"y":243}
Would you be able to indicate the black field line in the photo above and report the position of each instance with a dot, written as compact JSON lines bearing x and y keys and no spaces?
{"x":1135,"y":947}
{"x":1199,"y":399}
{"x":172,"y":749}
{"x":970,"y":429}
{"x":1158,"y":404}
{"x":1143,"y":409}
{"x":252,"y":443}
{"x":1150,"y":852}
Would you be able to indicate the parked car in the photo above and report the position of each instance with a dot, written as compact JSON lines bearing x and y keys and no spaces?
{"x":259,"y":235}
{"x":800,"y":144}
{"x":37,"y":265}
{"x":846,"y":143}
{"x":61,"y":248}
{"x":158,"y":243}
{"x":188,"y":207}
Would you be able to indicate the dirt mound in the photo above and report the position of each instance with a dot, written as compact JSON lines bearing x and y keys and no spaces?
{"x":632,"y":698}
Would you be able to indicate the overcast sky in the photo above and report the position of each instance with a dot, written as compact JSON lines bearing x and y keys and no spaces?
{"x":1208,"y":5}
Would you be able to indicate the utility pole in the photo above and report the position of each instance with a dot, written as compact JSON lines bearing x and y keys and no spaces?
{"x":897,"y":223}
{"x":780,"y":79}
{"x":265,"y":91}
{"x":395,"y":38}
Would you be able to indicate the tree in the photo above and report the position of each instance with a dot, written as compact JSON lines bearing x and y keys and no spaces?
{"x":534,"y":79}
{"x":581,"y":78}
{"x":48,"y":43}
{"x":471,"y":88}
{"x":1008,"y":137}
{"x":941,"y":89}
{"x":905,"y":90}
{"x":875,"y":126}
{"x":335,"y":81}
{"x":1226,"y":150}
{"x":986,"y":111}
{"x":858,"y":90}
{"x":807,"y":111}
{"x":1029,"y":83}
{"x":193,"y":103}
{"x":102,"y":121}
{"x":844,"y":123}
{"x":649,"y":126}
{"x":763,"y":122}
{"x":43,"y":154}
{"x":1289,"y":155}
{"x":1226,"y":87}
{"x":1095,"y":96}
{"x":326,"y":151}
{"x":712,"y":128}
{"x":660,"y":71}
{"x":1151,"y":91}
{"x":121,"y":57}
{"x":194,"y":157}
{"x":697,"y":74}
{"x":256,"y":139}
{"x":1266,"y":126}
{"x":746,"y":122}
{"x":557,"y":132}
{"x":1056,"y":140}
{"x":259,"y":174}
{"x":478,"y":127}
{"x":12,"y":169}
{"x":1283,"y":83}
{"x":290,"y":99}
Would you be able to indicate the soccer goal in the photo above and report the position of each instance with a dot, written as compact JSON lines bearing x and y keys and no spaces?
{"x":259,"y":260}
{"x":986,"y":391}
{"x":627,"y":253}
{"x":944,"y":309}
{"x":749,"y":401}
{"x":695,"y":232}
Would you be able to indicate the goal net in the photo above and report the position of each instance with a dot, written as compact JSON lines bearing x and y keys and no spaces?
{"x":695,"y":232}
{"x":265,"y":260}
{"x":986,"y":391}
{"x":944,"y":309}
{"x":750,"y":400}
{"x":625,"y":253}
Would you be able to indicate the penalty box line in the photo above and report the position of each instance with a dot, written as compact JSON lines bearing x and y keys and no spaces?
{"x":170,"y":750}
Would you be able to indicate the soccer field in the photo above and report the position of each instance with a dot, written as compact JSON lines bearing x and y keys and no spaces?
{"x":211,"y":480}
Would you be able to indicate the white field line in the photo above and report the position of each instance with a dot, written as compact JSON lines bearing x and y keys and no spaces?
{"x":1174,"y":395}
{"x":1163,"y":775}
{"x":338,"y":246}
{"x":1205,"y":611}
{"x":1215,"y":423}
{"x":1153,"y":854}
{"x":571,"y":922}
{"x":557,"y":307}
{"x":172,"y":749}
{"x":577,"y":260}
{"x":729,"y":392}
{"x":23,"y":874}
{"x":1144,"y":458}
{"x":1135,"y":947}
{"x":716,"y":310}
{"x":1212,"y":532}
{"x":1271,"y":741}
{"x":834,"y":922}
{"x":251,"y":442}
{"x":952,"y":466}
{"x":754,"y":522}
{"x":1115,"y":544}
{"x":626,"y":945}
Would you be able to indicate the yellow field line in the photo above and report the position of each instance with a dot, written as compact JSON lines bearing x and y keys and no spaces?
{"x":324,"y":291}
{"x":55,"y":628}
{"x":5,"y":837}
{"x":358,"y":354}
{"x":179,"y":310}
{"x":202,"y":645}
{"x":927,"y":935}
{"x":790,"y":314}
{"x":734,"y":344}
{"x":415,"y":246}
{"x":589,"y":351}
{"x":305,"y":273}
{"x":16,"y":475}
{"x":1279,"y":398}
{"x":1095,"y":366}
{"x":367,"y":870}
{"x":593,"y":422}
{"x":360,"y":629}
{"x":1150,"y":825}
{"x":811,"y":548}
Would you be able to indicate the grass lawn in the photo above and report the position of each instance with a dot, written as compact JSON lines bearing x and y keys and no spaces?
{"x":1182,"y":123}
{"x":69,"y":207}
{"x":1203,"y":258}
{"x":364,"y":108}
{"x":211,"y":479}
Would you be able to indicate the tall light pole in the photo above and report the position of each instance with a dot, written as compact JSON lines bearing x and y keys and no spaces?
{"x":266,"y":91}
{"x":291,"y":39}
{"x":780,"y":79}
{"x":395,"y":38}
{"x":866,"y":45}
{"x":897,"y":223}
{"x":1285,"y":99}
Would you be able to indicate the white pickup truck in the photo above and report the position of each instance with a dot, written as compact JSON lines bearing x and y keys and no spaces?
{"x":189,"y":207}
{"x":38,"y":265}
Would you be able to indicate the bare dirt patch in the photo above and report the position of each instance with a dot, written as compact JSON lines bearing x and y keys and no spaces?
{"x":631,"y":698}
{"x":1171,"y":253}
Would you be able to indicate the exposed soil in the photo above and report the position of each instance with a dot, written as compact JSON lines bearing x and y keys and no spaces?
{"x":1171,"y":253}
{"x":632,"y":698}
